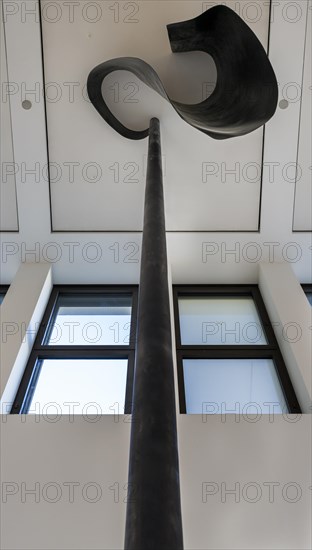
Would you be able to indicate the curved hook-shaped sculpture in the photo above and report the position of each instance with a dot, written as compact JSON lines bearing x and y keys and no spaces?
{"x":246,"y":93}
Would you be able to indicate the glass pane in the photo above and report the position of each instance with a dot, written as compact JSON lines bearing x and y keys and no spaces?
{"x":89,"y":320}
{"x":1,"y":298}
{"x":80,"y":386}
{"x":220,"y":320}
{"x":241,"y":386}
{"x":309,"y":296}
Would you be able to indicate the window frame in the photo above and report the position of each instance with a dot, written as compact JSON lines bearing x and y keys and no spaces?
{"x":232,"y":351}
{"x":42,"y":351}
{"x":307,"y":288}
{"x":4,"y":289}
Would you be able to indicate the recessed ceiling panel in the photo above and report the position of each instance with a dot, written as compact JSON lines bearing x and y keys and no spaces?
{"x":303,"y":191}
{"x":8,"y":205}
{"x":97,"y":177}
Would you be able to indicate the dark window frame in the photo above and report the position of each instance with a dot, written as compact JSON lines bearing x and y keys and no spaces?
{"x":230,"y":351}
{"x":4,"y":289}
{"x":307,"y":288}
{"x":42,"y":351}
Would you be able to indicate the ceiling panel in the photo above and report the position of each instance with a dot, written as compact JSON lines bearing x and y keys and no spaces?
{"x":303,"y":191}
{"x":8,"y":204}
{"x":114,"y":257}
{"x":97,"y":177}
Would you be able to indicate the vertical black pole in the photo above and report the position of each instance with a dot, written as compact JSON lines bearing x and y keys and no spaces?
{"x":154,"y":510}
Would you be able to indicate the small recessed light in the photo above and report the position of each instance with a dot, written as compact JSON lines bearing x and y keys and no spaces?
{"x":26,"y":104}
{"x":283,"y":104}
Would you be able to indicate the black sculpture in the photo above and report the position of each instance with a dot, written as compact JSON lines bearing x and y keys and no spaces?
{"x":246,"y":92}
{"x":245,"y":97}
{"x":154,"y":519}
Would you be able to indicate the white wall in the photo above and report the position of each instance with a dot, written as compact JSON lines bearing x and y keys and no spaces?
{"x":267,"y":457}
{"x":216,"y":452}
{"x":249,"y":452}
{"x":290,"y":314}
{"x":93,"y":453}
{"x":20,"y":315}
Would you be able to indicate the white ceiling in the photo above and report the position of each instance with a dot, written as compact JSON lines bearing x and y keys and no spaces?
{"x":111,"y":209}
{"x":303,"y":193}
{"x":8,"y":204}
{"x":195,"y":200}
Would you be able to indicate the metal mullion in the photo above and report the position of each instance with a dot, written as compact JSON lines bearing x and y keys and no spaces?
{"x":227,"y":347}
{"x":48,"y":318}
{"x":177,"y":317}
{"x":95,"y":289}
{"x":28,"y":394}
{"x":134,"y":318}
{"x":129,"y":383}
{"x":231,"y":353}
{"x":264,"y":318}
{"x":22,"y":389}
{"x":67,"y":349}
{"x":307,"y":287}
{"x":4,"y":289}
{"x":204,"y":290}
{"x":286,"y":384}
{"x":181,"y":385}
{"x":81,"y":353}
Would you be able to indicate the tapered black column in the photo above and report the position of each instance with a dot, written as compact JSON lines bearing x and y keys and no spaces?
{"x":153,"y":509}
